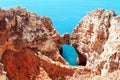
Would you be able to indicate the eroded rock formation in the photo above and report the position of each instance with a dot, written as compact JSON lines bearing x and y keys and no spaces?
{"x":30,"y":47}
{"x":61,"y":39}
{"x":96,"y":39}
{"x":21,"y":28}
{"x":17,"y":26}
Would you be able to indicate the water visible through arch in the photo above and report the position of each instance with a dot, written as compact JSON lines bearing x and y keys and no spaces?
{"x":69,"y":54}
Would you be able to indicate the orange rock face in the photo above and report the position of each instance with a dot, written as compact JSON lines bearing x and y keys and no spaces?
{"x":19,"y":26}
{"x":22,"y":35}
{"x":21,"y":65}
{"x":30,"y":47}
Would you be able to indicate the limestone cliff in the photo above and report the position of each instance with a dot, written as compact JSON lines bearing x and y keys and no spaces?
{"x":30,"y":47}
{"x":96,"y":39}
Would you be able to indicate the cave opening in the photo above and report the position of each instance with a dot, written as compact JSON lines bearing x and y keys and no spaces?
{"x":69,"y":54}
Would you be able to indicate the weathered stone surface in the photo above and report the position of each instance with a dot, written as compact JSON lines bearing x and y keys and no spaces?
{"x":22,"y":35}
{"x":110,"y":76}
{"x":96,"y":39}
{"x":2,"y":72}
{"x":48,"y":24}
{"x":35,"y":32}
{"x":61,"y":39}
{"x":21,"y":64}
{"x":91,"y":34}
{"x":110,"y":57}
{"x":58,"y":71}
{"x":30,"y":47}
{"x":43,"y":75}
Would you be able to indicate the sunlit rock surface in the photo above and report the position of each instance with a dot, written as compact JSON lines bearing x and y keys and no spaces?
{"x":30,"y":47}
{"x":21,"y":28}
{"x":91,"y":34}
{"x":96,"y":37}
{"x":110,"y":57}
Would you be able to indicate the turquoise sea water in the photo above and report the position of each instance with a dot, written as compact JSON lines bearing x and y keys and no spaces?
{"x":65,"y":14}
{"x":69,"y":54}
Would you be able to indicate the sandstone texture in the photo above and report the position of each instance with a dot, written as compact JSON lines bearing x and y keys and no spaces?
{"x":17,"y":26}
{"x":96,"y":37}
{"x":24,"y":33}
{"x":30,"y":47}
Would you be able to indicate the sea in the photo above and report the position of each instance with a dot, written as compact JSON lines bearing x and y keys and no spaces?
{"x":65,"y":14}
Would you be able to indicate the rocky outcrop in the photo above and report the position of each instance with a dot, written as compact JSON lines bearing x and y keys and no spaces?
{"x":58,"y":71}
{"x":61,"y":39}
{"x":96,"y":39}
{"x":24,"y":33}
{"x":21,"y":64}
{"x":35,"y":32}
{"x":30,"y":47}
{"x":110,"y":57}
